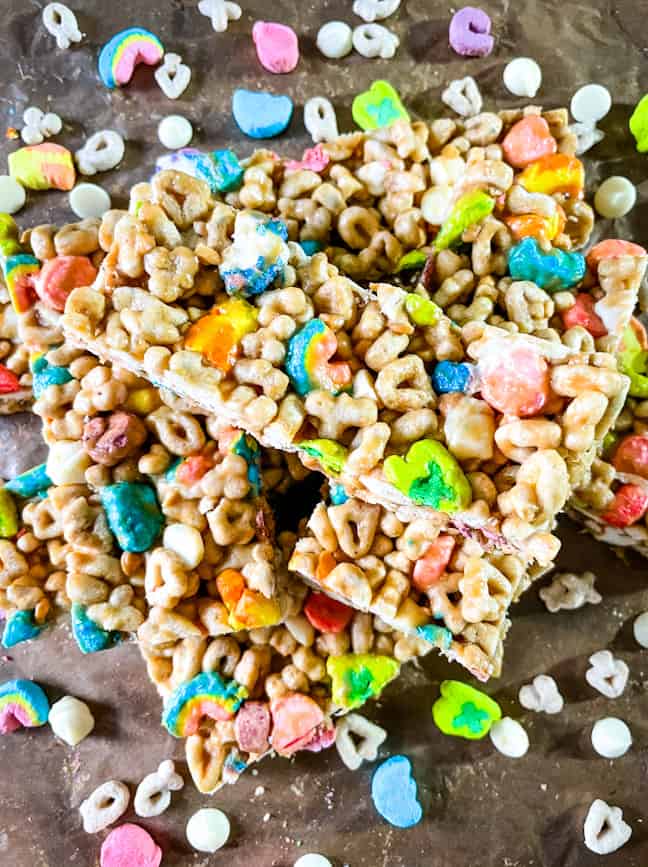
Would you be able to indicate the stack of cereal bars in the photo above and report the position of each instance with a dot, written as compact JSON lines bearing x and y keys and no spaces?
{"x":413,"y":325}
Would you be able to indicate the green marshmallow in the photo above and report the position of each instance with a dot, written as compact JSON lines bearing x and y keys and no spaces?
{"x":331,"y":455}
{"x":357,"y":677}
{"x":377,"y":107}
{"x":430,"y":476}
{"x":468,"y":210}
{"x":464,"y":711}
{"x":8,"y":515}
{"x":421,"y":310}
{"x":633,"y":361}
{"x":639,"y":124}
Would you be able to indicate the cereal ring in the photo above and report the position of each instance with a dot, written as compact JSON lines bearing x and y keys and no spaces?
{"x":153,"y":794}
{"x":104,"y":806}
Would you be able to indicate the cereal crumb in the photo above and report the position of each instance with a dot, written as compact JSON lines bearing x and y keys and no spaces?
{"x":260,"y":790}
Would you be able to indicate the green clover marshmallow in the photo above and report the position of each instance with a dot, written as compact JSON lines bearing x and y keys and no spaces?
{"x":430,"y":476}
{"x":464,"y":711}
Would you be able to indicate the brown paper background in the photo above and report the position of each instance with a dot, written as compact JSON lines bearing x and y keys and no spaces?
{"x":480,"y":807}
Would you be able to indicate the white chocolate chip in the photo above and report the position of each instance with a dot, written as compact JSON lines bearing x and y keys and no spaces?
{"x":312,"y":860}
{"x":541,"y":695}
{"x":640,"y":629}
{"x":175,"y":131}
{"x":208,"y":830}
{"x":615,"y":197}
{"x":611,"y":737}
{"x":509,"y":737}
{"x":12,"y":195}
{"x":334,"y":39}
{"x":186,"y":542}
{"x":70,"y":720}
{"x":67,"y":462}
{"x":89,"y":200}
{"x":604,"y":830}
{"x":522,"y":77}
{"x":591,"y":103}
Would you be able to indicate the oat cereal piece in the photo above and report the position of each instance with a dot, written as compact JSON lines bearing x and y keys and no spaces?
{"x":569,"y":591}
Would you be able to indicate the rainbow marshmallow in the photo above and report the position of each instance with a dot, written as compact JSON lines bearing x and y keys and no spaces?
{"x":22,"y":703}
{"x":206,"y":695}
{"x":307,"y":360}
{"x":127,"y":49}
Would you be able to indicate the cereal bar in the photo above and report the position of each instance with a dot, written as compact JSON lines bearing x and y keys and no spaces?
{"x":415,"y":576}
{"x":150,"y":494}
{"x":475,"y":427}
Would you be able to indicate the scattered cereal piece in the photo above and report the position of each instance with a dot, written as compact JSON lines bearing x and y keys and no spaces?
{"x":70,"y":719}
{"x":607,"y":674}
{"x":470,"y":32}
{"x":334,"y":39}
{"x":23,"y":703}
{"x":276,"y":45}
{"x":528,"y":140}
{"x":89,"y":200}
{"x":173,"y":76}
{"x":604,"y":829}
{"x":20,"y":626}
{"x":90,"y":637}
{"x":640,"y":629}
{"x":12,"y":195}
{"x":611,"y":737}
{"x":153,"y":795}
{"x":375,"y":10}
{"x":175,"y":131}
{"x":522,"y":77}
{"x":639,"y":124}
{"x":312,"y":860}
{"x":221,"y":12}
{"x":509,"y":738}
{"x":208,"y":830}
{"x":130,"y":846}
{"x":259,"y":114}
{"x":61,"y":22}
{"x":320,"y":119}
{"x":39,"y":126}
{"x":206,"y":695}
{"x":591,"y":103}
{"x":462,"y":96}
{"x":101,"y":152}
{"x":541,"y":695}
{"x":615,"y":197}
{"x":464,"y":711}
{"x":43,"y":167}
{"x":104,"y":806}
{"x":374,"y":40}
{"x":569,"y":592}
{"x":394,"y":792}
{"x":358,"y":740}
{"x":126,"y":50}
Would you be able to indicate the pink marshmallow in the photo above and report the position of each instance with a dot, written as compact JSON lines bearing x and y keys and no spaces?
{"x":276,"y":46}
{"x":130,"y":846}
{"x":315,"y":159}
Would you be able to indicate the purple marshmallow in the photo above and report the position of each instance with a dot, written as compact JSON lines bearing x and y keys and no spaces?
{"x":470,"y":32}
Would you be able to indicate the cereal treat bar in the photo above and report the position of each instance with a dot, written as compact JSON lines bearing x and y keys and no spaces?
{"x":476,"y":427}
{"x":149,"y":494}
{"x":614,"y":505}
{"x":374,"y":200}
{"x":237,"y":697}
{"x":415,"y":576}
